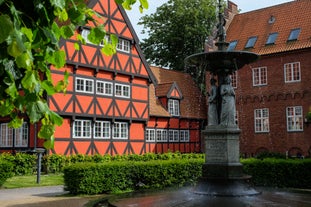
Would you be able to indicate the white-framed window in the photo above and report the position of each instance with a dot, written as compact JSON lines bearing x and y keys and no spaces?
{"x":21,"y":136}
{"x":104,"y":88}
{"x":124,"y":45}
{"x":173,"y":135}
{"x":85,"y":33}
{"x":173,"y":107}
{"x":161,"y":135}
{"x":84,"y":85}
{"x":122,"y":90}
{"x":259,"y":76}
{"x":120,"y":130}
{"x":292,"y":72}
{"x":102,"y":129}
{"x":261,"y":120}
{"x":184,"y":136}
{"x":294,"y":116}
{"x":82,"y":128}
{"x":150,"y":135}
{"x":234,"y":79}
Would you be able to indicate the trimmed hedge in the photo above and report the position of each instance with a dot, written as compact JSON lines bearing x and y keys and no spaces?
{"x":92,"y":178}
{"x":271,"y":172}
{"x":6,"y":171}
{"x":23,"y":164}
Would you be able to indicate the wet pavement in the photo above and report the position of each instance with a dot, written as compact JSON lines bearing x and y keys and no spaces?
{"x":186,"y":198}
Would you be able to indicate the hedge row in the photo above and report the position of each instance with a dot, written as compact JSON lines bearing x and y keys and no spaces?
{"x":279,"y":172}
{"x":23,"y":164}
{"x":6,"y":169}
{"x":92,"y":178}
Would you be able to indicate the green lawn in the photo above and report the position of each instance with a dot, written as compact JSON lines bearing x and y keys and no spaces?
{"x":31,"y":181}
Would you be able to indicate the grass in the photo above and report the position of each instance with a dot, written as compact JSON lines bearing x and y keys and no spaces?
{"x":31,"y":181}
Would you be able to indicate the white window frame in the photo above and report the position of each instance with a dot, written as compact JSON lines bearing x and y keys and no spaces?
{"x":86,"y":85}
{"x":260,"y":76}
{"x":85,"y":128}
{"x":294,"y":120}
{"x":102,"y":130}
{"x":261,"y":120}
{"x":104,"y":88}
{"x":120,"y":130}
{"x":173,"y":107}
{"x":124,"y":45}
{"x":85,"y":33}
{"x":173,"y":135}
{"x":290,"y":68}
{"x":122,"y":90}
{"x":161,"y":135}
{"x":184,"y":135}
{"x":22,"y":135}
{"x":150,"y":135}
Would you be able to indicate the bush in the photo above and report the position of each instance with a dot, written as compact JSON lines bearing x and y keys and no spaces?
{"x":6,"y":171}
{"x":24,"y":164}
{"x":91,"y":178}
{"x":279,"y":172}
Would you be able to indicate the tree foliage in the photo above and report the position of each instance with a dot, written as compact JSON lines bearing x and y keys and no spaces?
{"x":178,"y":29}
{"x":29,"y":43}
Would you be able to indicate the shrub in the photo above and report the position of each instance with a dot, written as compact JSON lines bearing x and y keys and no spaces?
{"x":6,"y":171}
{"x":24,"y":164}
{"x":91,"y":178}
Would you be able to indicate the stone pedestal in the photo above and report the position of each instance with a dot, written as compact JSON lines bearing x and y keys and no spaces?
{"x":222,"y":173}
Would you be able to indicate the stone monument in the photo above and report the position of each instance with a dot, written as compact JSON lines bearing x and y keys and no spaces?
{"x":222,"y":172}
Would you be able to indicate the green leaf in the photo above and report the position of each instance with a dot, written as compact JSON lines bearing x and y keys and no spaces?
{"x":76,"y":46}
{"x":5,"y":22}
{"x":46,"y":131}
{"x":6,"y":107}
{"x":67,"y":31}
{"x":12,"y":90}
{"x":55,"y":118}
{"x":49,"y":143}
{"x":30,"y":80}
{"x":28,"y":33}
{"x":24,"y":61}
{"x":16,"y":122}
{"x":48,"y":87}
{"x":15,"y":48}
{"x":36,"y":110}
{"x":58,"y":58}
{"x":144,"y":4}
{"x":58,"y":3}
{"x":97,"y":35}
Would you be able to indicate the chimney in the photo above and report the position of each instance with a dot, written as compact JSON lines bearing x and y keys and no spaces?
{"x":230,"y":12}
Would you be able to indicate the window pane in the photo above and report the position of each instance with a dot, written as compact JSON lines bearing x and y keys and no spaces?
{"x":294,"y":34}
{"x":251,"y":42}
{"x":272,"y":37}
{"x":232,"y":45}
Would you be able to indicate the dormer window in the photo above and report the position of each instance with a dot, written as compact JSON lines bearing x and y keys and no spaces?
{"x":294,"y":34}
{"x":271,"y":39}
{"x":251,"y":42}
{"x":232,"y":45}
{"x":173,"y":107}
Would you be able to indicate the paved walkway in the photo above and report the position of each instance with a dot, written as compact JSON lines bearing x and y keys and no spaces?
{"x":50,"y":196}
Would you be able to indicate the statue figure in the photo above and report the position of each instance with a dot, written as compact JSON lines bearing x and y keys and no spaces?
{"x":212,"y":104}
{"x":227,"y":116}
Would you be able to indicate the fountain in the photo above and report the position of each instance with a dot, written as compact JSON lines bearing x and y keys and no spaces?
{"x":223,"y":183}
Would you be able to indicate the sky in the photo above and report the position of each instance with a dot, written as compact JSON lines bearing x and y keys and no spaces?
{"x":243,"y":5}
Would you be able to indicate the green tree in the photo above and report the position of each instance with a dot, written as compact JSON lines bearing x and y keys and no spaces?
{"x":179,"y":28}
{"x":29,"y":43}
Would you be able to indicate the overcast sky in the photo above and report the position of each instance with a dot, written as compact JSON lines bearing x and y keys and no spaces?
{"x":243,"y":5}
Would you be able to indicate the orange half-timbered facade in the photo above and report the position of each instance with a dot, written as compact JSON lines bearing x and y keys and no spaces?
{"x":116,"y":104}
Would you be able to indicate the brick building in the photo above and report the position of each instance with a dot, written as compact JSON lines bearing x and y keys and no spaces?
{"x":274,"y":94}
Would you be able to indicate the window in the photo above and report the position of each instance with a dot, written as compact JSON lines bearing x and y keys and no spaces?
{"x":82,"y":129}
{"x":292,"y":72}
{"x":260,"y":76}
{"x":124,"y":45}
{"x":251,"y":42}
{"x":184,"y":136}
{"x":84,"y":34}
{"x":262,"y":120}
{"x":150,"y":135}
{"x":234,"y":79}
{"x":84,"y":85}
{"x":122,"y":90}
{"x":294,"y":118}
{"x":173,"y":135}
{"x":173,"y":107}
{"x":271,"y":39}
{"x":102,"y":129}
{"x":104,"y":88}
{"x":161,"y":135}
{"x":19,"y":135}
{"x":232,"y":45}
{"x":294,"y":34}
{"x":120,"y":130}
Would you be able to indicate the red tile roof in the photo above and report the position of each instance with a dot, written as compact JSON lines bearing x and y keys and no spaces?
{"x":287,"y":16}
{"x":192,"y":104}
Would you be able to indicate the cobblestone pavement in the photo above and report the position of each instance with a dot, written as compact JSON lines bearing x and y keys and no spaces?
{"x":50,"y":196}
